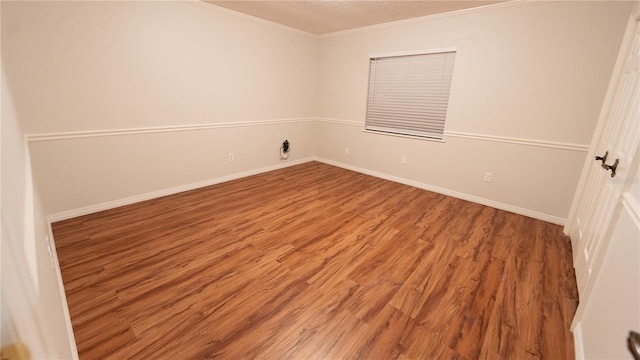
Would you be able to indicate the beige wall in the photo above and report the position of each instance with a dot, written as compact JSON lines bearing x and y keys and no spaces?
{"x":85,"y":172}
{"x":111,"y":67}
{"x":32,"y":309}
{"x":528,"y":84}
{"x":125,"y":100}
{"x":119,"y":100}
{"x":128,"y":64}
{"x":523,"y":179}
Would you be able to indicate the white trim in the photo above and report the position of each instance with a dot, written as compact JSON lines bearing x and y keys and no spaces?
{"x":194,"y":127}
{"x":63,"y":295}
{"x":152,"y":195}
{"x":491,"y":203}
{"x":174,"y":190}
{"x":156,"y":129}
{"x":615,"y":79}
{"x":632,"y":207}
{"x":493,"y":138}
{"x":406,"y":136}
{"x":413,"y":52}
{"x":341,"y":122}
{"x":253,"y":18}
{"x":156,"y":194}
{"x":519,"y":141}
{"x":578,"y":344}
{"x":513,"y":3}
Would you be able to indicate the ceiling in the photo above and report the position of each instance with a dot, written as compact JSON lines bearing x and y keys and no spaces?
{"x":326,"y":16}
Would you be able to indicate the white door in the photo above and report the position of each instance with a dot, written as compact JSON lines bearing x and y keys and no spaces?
{"x":617,"y":136}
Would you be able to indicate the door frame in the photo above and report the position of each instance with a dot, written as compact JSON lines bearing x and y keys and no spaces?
{"x":604,"y":110}
{"x":579,"y":194}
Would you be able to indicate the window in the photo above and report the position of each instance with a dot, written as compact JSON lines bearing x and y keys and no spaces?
{"x":409,"y":93}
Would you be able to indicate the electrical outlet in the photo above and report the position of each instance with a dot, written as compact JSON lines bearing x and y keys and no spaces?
{"x":346,"y":150}
{"x":487,"y":176}
{"x":230,"y":157}
{"x":403,"y":160}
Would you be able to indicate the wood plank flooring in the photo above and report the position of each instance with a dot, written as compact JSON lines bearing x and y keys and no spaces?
{"x":316,"y":262}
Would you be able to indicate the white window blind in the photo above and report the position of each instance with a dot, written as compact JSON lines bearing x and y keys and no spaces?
{"x":409,"y":94}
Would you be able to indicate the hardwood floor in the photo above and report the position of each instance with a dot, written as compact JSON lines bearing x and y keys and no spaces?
{"x":316,"y":262}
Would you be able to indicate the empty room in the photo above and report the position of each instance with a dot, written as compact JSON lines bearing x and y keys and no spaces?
{"x":191,"y":179}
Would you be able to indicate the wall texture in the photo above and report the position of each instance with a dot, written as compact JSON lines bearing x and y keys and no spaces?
{"x":113,"y":84}
{"x":32,"y":307}
{"x":92,"y":69}
{"x":85,"y":172}
{"x":122,"y":101}
{"x":528,"y":84}
{"x":126,"y":64}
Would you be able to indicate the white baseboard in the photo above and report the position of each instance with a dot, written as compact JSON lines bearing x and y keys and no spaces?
{"x":63,"y":296}
{"x":495,"y":204}
{"x":134,"y":199}
{"x":131,"y":200}
{"x":174,"y":190}
{"x":578,"y":345}
{"x":156,"y":194}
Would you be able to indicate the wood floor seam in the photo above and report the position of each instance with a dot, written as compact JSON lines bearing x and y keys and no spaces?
{"x":316,"y":262}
